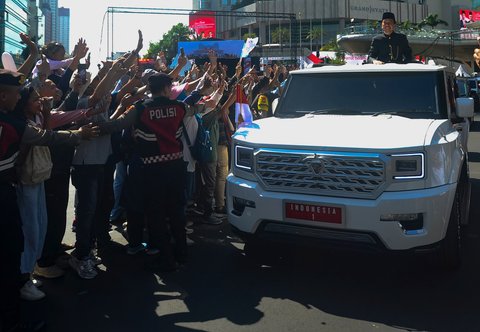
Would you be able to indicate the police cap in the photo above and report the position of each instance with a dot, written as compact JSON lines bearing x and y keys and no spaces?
{"x":8,"y":77}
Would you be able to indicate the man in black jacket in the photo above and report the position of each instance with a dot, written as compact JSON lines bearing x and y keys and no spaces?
{"x":389,"y":47}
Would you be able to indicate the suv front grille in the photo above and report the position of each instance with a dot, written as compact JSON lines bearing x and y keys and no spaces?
{"x":321,"y":173}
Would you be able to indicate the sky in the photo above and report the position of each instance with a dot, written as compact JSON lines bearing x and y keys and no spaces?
{"x":86,"y":21}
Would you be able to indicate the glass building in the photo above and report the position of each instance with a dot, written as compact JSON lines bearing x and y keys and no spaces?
{"x":14,"y":14}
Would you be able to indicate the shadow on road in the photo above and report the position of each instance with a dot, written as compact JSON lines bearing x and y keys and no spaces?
{"x":220,"y":284}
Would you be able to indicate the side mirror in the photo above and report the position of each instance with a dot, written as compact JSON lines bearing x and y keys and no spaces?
{"x":465,"y":107}
{"x":274,"y":105}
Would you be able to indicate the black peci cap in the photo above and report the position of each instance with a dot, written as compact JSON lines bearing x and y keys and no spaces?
{"x":388,"y":15}
{"x":12,"y":78}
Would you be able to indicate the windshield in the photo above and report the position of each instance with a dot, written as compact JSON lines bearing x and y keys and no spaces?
{"x":410,"y":94}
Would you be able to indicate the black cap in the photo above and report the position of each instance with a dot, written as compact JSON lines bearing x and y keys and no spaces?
{"x":12,"y":78}
{"x":388,"y":15}
{"x":159,"y":81}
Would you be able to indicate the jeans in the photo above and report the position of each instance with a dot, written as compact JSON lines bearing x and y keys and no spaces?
{"x":164,"y":197}
{"x":118,"y":182}
{"x":33,"y":211}
{"x":134,"y":202}
{"x":221,"y":176}
{"x":208,"y":175}
{"x":56,"y":194}
{"x":88,"y":180}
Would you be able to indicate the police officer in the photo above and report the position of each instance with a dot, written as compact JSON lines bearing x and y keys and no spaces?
{"x":389,"y":47}
{"x":14,"y":131}
{"x":157,"y":128}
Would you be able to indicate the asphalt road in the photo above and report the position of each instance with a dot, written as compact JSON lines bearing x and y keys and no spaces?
{"x":308,"y":290}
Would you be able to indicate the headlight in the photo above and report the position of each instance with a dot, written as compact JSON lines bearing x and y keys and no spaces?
{"x":408,"y":166}
{"x":244,"y":158}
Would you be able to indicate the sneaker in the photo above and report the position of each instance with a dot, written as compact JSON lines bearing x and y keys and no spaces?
{"x":190,"y":242}
{"x":96,"y":260}
{"x":152,"y":251}
{"x":189,"y":223}
{"x":30,"y":292}
{"x":211,"y":220}
{"x":188,"y":230}
{"x":221,"y":210}
{"x":84,"y":267}
{"x":49,"y":272}
{"x":135,"y":250}
{"x":36,"y":282}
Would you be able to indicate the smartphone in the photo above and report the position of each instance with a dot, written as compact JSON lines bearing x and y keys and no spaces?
{"x":82,"y":72}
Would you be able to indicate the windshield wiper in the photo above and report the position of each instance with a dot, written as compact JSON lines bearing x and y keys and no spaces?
{"x":400,"y":112}
{"x":339,"y":111}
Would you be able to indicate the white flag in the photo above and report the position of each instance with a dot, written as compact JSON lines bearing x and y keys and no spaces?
{"x":249,"y":46}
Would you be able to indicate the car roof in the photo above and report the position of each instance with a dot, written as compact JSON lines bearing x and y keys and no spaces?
{"x":390,"y":67}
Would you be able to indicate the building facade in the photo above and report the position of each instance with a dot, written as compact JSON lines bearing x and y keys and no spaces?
{"x":332,"y":16}
{"x":51,"y":21}
{"x":36,"y":21}
{"x":64,"y":27}
{"x":14,"y":21}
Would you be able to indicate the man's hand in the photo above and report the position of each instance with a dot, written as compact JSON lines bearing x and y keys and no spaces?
{"x":81,"y":49}
{"x":378,"y":62}
{"x":140,"y":42}
{"x":238,"y":69}
{"x":182,"y":60}
{"x":77,"y":83}
{"x":32,"y":47}
{"x":43,"y":69}
{"x":89,"y":131}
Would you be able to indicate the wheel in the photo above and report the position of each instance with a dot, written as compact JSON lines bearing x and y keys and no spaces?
{"x":448,"y":255}
{"x":465,"y":191}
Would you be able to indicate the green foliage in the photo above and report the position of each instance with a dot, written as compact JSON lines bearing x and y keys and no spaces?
{"x":315,"y":34}
{"x":280,"y":36}
{"x":249,"y":35}
{"x":168,"y":43}
{"x":432,"y":21}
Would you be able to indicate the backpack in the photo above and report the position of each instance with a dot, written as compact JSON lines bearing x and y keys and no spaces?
{"x":201,"y":149}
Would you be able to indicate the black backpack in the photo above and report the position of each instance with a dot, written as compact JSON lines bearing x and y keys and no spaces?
{"x":201,"y":149}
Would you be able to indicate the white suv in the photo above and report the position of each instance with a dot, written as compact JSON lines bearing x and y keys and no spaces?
{"x":371,"y":155}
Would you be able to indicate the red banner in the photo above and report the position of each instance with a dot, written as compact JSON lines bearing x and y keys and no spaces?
{"x":468,"y":16}
{"x":204,"y":24}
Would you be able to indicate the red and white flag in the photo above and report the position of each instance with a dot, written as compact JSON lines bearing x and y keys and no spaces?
{"x":312,"y":59}
{"x":243,"y":115}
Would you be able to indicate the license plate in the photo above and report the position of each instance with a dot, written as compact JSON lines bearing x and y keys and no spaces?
{"x":321,"y":213}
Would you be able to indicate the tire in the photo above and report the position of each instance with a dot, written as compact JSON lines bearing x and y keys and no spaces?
{"x":465,"y":197}
{"x":448,"y":255}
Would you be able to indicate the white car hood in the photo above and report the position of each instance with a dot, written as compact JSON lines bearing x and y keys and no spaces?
{"x":349,"y":131}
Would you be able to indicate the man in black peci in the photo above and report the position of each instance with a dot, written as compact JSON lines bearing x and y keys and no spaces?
{"x":389,"y":47}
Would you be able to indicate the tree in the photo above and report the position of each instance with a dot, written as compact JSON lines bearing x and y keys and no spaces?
{"x":280,"y":36}
{"x":315,"y":35}
{"x":432,"y":21}
{"x":249,"y":35}
{"x":407,"y":26}
{"x":169,"y":41}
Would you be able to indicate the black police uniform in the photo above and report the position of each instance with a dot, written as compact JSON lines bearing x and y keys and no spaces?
{"x":390,"y":49}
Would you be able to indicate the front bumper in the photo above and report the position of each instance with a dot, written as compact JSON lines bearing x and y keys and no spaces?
{"x":264,"y":216}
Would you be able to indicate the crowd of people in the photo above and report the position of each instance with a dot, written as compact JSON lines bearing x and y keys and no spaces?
{"x":125,"y":138}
